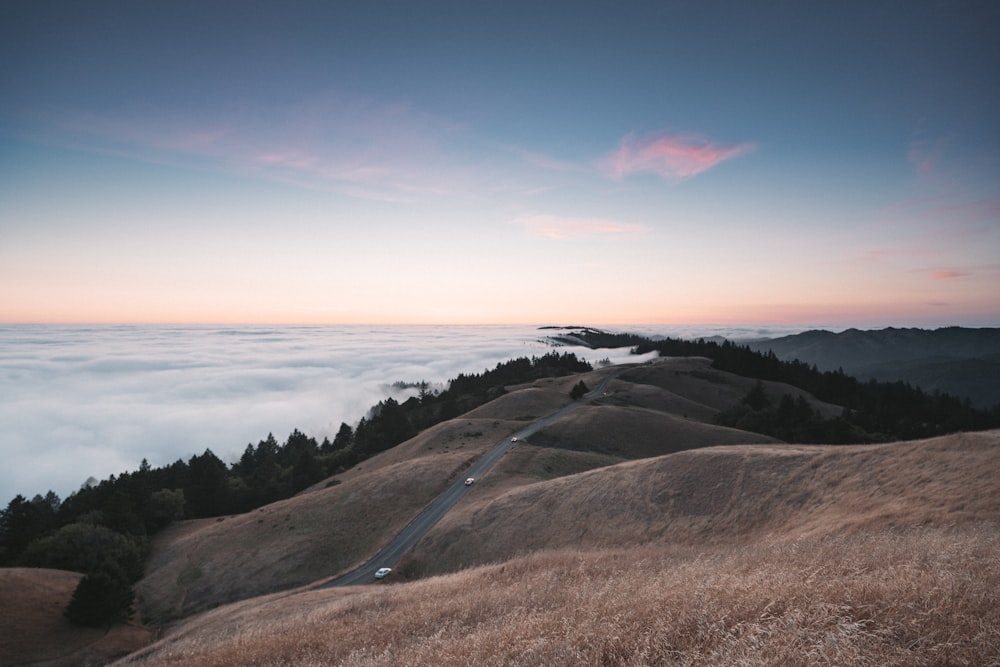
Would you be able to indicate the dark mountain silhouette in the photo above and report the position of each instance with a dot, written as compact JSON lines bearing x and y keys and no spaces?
{"x":960,"y":361}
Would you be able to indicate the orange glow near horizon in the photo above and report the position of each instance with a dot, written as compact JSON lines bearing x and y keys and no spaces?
{"x":732,"y":314}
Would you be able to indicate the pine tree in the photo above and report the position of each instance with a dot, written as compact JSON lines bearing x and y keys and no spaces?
{"x":101,"y":599}
{"x":579,"y":390}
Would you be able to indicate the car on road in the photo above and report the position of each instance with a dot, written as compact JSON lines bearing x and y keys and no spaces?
{"x":514,"y":439}
{"x":469,"y":481}
{"x":382,"y":572}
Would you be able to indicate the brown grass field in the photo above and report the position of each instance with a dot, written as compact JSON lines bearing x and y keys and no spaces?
{"x":34,"y":632}
{"x":633,"y":532}
{"x":924,"y":596}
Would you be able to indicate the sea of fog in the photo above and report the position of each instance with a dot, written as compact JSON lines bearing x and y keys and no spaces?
{"x":79,"y":402}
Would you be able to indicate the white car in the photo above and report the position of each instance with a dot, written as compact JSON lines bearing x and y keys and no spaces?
{"x":514,"y":439}
{"x":469,"y":481}
{"x":382,"y":572}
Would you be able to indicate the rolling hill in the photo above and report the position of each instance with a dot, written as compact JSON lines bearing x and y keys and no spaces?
{"x":633,"y":531}
{"x":964,"y":362}
{"x":757,"y":554}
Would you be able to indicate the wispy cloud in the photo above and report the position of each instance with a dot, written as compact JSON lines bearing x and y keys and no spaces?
{"x":925,"y":152}
{"x":975,"y":211}
{"x":904,"y":251}
{"x":671,"y":156}
{"x":947,"y":274}
{"x":873,"y":255}
{"x":334,"y":142}
{"x":289,"y":159}
{"x":558,"y":227}
{"x":544,"y":161}
{"x":927,"y":262}
{"x":937,"y":223}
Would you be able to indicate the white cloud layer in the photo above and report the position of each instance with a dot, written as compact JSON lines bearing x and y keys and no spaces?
{"x":77,"y":402}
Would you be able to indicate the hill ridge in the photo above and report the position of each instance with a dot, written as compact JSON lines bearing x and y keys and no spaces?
{"x":962,"y":361}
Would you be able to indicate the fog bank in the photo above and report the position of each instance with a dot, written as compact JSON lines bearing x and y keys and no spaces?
{"x":79,"y":402}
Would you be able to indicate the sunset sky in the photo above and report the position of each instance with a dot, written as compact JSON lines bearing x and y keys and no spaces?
{"x":835,"y":163}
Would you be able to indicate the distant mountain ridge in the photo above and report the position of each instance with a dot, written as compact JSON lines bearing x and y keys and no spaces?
{"x":961,"y":361}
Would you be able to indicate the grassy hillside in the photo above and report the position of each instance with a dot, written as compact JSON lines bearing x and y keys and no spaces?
{"x":34,"y":631}
{"x":632,"y":531}
{"x":721,"y":494}
{"x":196,"y":565}
{"x":756,"y":555}
{"x":199,"y":564}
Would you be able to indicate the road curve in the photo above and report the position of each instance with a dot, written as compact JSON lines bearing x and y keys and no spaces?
{"x":390,"y":554}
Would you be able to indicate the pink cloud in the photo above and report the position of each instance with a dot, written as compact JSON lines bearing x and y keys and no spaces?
{"x":874,"y":255}
{"x":925,"y":153}
{"x":944,"y":221}
{"x":150,"y":132}
{"x":919,"y":158}
{"x":945,"y":274}
{"x":557,"y":227}
{"x":672,"y":157}
{"x":342,"y":143}
{"x":968,"y":211}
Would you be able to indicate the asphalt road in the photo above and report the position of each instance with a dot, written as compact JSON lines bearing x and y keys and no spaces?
{"x":390,"y":554}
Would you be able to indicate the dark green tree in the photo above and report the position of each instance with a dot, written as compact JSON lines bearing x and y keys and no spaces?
{"x":306,"y":471}
{"x":208,"y":494}
{"x":579,"y":390}
{"x":86,"y":547}
{"x":364,"y":439}
{"x":22,"y":522}
{"x":247,"y":463}
{"x":391,"y":424}
{"x":267,"y":451}
{"x":757,"y":398}
{"x":164,"y":507}
{"x":101,"y":599}
{"x":344,"y":437}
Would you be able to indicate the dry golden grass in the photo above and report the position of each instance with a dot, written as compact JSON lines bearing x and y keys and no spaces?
{"x":923,"y":596}
{"x":197,"y":565}
{"x":328,"y":529}
{"x":766,"y":554}
{"x":713,"y":495}
{"x":33,"y":630}
{"x":633,"y":433}
{"x":696,"y":382}
{"x":733,"y":553}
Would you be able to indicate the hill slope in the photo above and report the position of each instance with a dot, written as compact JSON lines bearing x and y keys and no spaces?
{"x":963,"y":362}
{"x":35,"y":632}
{"x":720,"y":494}
{"x":763,"y":554}
{"x":199,"y":564}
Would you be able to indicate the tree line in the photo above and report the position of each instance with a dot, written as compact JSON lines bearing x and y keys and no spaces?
{"x":103,"y":529}
{"x":873,"y":411}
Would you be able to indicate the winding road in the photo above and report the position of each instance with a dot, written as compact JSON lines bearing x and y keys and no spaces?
{"x":390,"y":554}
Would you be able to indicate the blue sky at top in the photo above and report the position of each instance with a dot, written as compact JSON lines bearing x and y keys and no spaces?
{"x":500,"y":162}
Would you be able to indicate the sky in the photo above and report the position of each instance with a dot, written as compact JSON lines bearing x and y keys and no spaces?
{"x":500,"y":162}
